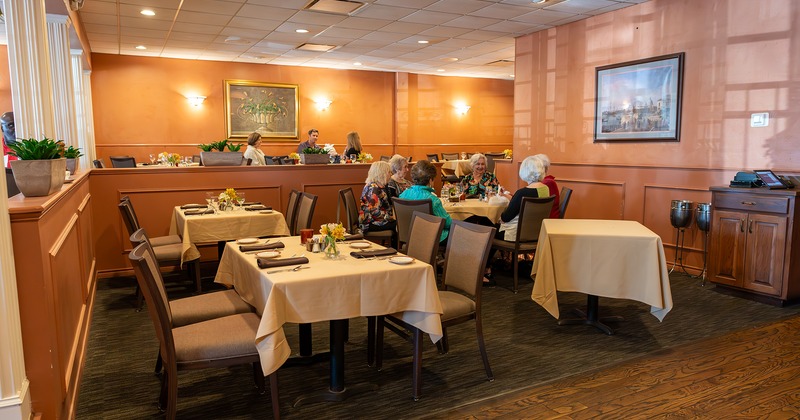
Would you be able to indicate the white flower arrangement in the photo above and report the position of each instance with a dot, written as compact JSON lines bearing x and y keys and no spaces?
{"x":330,"y":149}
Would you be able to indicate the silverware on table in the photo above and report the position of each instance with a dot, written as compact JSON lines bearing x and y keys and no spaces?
{"x":298,"y":268}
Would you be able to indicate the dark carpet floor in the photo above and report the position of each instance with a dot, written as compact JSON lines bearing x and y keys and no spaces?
{"x":526,"y":347}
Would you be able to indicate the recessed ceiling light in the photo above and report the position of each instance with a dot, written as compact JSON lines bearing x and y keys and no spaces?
{"x":148,"y":12}
{"x":440,"y":70}
{"x":141,"y":47}
{"x":538,"y":1}
{"x":356,"y":63}
{"x":511,"y":75}
{"x":422,"y":41}
{"x":301,"y":31}
{"x":450,"y":59}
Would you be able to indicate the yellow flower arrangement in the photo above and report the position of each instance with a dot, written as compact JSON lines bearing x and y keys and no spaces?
{"x":333,"y":232}
{"x":170,"y":158}
{"x":364,"y":157}
{"x":294,"y":156}
{"x":228,"y":197}
{"x":508,"y":153}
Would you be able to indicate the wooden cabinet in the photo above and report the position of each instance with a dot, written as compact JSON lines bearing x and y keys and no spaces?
{"x":754,"y":242}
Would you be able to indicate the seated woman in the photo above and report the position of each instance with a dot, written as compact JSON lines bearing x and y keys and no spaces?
{"x":398,"y":183}
{"x":376,"y":212}
{"x":353,"y":144}
{"x":475,"y":184}
{"x":422,"y":175}
{"x":253,"y":150}
{"x":550,"y":181}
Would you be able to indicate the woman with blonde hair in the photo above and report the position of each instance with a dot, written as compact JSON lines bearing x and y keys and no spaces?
{"x":376,"y":212}
{"x":353,"y":144}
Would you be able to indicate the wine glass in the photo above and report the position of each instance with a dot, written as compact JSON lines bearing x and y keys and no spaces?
{"x":152,"y":159}
{"x":241,"y":199}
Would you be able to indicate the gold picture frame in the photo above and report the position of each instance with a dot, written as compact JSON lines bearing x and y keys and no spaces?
{"x":270,"y":109}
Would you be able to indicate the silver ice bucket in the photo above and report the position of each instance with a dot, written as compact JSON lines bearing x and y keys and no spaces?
{"x":703,"y":219}
{"x":681,"y":214}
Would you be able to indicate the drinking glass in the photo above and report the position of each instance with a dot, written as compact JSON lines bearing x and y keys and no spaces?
{"x":152,"y":159}
{"x":241,"y":199}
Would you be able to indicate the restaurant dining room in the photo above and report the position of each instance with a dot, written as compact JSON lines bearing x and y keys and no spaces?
{"x":383,"y":209}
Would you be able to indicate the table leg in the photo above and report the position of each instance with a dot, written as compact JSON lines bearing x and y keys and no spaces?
{"x":590,"y":317}
{"x":336,"y":390}
{"x":307,"y":356}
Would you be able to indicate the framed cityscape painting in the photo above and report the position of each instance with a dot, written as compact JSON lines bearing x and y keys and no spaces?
{"x":269,"y":109}
{"x":639,"y":100}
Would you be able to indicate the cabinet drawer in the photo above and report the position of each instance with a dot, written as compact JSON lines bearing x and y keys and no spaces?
{"x":751,"y":202}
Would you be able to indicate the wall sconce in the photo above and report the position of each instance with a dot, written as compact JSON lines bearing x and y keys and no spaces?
{"x":195,"y":100}
{"x":322,"y":104}
{"x":462,"y":109}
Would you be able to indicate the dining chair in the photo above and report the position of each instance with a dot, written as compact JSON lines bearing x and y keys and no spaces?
{"x":432,"y":157}
{"x":531,"y":214}
{"x":122,"y":161}
{"x":490,"y":163}
{"x":449,"y":175}
{"x":167,"y":251}
{"x":565,"y":194}
{"x":449,"y":156}
{"x":347,"y":196}
{"x":466,"y":256}
{"x":11,"y":183}
{"x":385,"y":158}
{"x":194,"y":309}
{"x":498,"y":155}
{"x":98,"y":163}
{"x":196,"y":159}
{"x":305,"y":211}
{"x":403,"y":212}
{"x":248,"y":162}
{"x":270,"y":160}
{"x":220,"y":342}
{"x":291,"y":212}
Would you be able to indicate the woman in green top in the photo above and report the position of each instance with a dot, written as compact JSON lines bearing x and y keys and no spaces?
{"x":422,"y":175}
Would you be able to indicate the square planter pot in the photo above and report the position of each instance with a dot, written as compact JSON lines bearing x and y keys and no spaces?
{"x":221,"y":158}
{"x":39,"y":178}
{"x":315,"y":159}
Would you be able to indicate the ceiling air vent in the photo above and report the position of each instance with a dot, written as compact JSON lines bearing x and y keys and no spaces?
{"x":501,"y":63}
{"x":337,"y":7}
{"x":316,"y":47}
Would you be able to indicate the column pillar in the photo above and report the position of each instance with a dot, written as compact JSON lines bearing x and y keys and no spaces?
{"x":63,"y":87}
{"x":83,"y":109}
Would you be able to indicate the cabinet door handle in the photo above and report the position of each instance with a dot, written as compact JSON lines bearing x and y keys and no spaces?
{"x":749,"y":203}
{"x":750,"y":227}
{"x":741,"y":225}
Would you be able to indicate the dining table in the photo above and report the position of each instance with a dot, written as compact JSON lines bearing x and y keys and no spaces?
{"x":328,"y":289}
{"x":461,"y":167}
{"x":619,"y":259}
{"x":475,"y":207}
{"x":205,"y":224}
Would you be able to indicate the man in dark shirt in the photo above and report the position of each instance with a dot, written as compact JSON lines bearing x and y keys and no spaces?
{"x":9,"y":136}
{"x":313,"y":135}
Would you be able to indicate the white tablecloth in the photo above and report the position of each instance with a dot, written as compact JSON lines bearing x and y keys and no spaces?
{"x":474,"y":207}
{"x":329,"y":290}
{"x":610,"y":258}
{"x":462,"y":167}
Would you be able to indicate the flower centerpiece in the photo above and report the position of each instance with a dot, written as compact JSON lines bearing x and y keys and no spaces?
{"x":170,"y":159}
{"x":364,"y":157}
{"x":330,"y":149}
{"x":228,"y":198}
{"x":295,"y":157}
{"x":508,"y":153}
{"x":332,"y":232}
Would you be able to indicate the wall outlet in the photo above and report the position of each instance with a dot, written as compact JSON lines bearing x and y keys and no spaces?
{"x":760,"y":119}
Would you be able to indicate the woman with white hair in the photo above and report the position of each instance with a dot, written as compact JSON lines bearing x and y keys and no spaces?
{"x":550,"y":181}
{"x":475,"y":184}
{"x":376,"y":213}
{"x":398,"y":183}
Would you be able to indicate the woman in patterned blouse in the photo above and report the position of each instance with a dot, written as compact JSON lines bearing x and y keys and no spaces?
{"x":475,"y":183}
{"x":376,"y":213}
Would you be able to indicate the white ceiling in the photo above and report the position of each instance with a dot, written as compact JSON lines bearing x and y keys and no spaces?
{"x":463,"y":36}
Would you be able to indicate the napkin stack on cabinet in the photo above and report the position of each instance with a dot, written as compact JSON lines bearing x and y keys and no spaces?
{"x":370,"y":254}
{"x":262,"y":247}
{"x":271,"y":262}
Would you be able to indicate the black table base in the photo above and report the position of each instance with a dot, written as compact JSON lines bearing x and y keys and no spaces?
{"x":590,"y":317}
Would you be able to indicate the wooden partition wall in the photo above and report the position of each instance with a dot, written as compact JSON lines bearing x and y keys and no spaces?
{"x":55,"y":268}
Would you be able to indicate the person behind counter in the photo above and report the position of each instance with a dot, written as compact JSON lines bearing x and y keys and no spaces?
{"x":376,"y":212}
{"x":422,"y":175}
{"x":313,"y":135}
{"x":475,"y":183}
{"x":398,"y":183}
{"x":253,"y":150}
{"x":353,"y":144}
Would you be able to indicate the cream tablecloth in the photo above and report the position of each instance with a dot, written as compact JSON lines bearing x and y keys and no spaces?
{"x":610,"y":258}
{"x":329,"y":290}
{"x":474,"y":207}
{"x":462,"y":167}
{"x":223,"y":226}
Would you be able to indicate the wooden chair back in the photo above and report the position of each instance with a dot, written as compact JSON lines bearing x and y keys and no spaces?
{"x":468,"y":248}
{"x":449,"y":156}
{"x":291,"y":211}
{"x":98,"y":163}
{"x":122,"y":162}
{"x":403,"y":212}
{"x":305,"y":211}
{"x":565,"y":194}
{"x":432,"y":157}
{"x":423,"y":242}
{"x":348,"y":198}
{"x":11,"y":183}
{"x":531,"y":214}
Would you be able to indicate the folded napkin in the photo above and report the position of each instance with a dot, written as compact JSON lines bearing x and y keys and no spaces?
{"x":193,"y":206}
{"x":274,"y":245}
{"x":353,"y":237}
{"x":198,"y":211}
{"x":378,"y":253}
{"x":251,"y":203}
{"x":257,"y":208}
{"x":271,"y":262}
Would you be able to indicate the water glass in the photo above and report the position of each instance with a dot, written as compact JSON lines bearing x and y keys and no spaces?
{"x":152,"y":159}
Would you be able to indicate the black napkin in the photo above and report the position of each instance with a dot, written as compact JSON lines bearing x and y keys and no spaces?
{"x":274,"y":245}
{"x":353,"y":237}
{"x":251,"y":203}
{"x":193,"y":206}
{"x":272,"y":262}
{"x":378,"y":253}
{"x":198,"y":211}
{"x":257,"y":208}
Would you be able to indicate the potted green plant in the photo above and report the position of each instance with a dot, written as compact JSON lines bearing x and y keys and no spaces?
{"x":71,"y":154}
{"x":314,"y":156}
{"x":234,"y":147}
{"x":40,"y":170}
{"x":211,"y":158}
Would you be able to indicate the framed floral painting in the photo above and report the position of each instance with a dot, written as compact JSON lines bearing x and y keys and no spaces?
{"x":269,"y":109}
{"x":639,"y":100}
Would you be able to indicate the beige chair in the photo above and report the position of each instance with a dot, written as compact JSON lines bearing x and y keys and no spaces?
{"x":449,"y":156}
{"x":219,"y":342}
{"x":403,"y":211}
{"x":531,"y":214}
{"x":351,"y":209}
{"x":291,"y":211}
{"x":167,"y":251}
{"x":305,"y":211}
{"x":467,"y":253}
{"x":564,"y":196}
{"x":432,"y":157}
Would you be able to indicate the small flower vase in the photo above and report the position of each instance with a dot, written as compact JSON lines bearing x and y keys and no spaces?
{"x":331,"y":251}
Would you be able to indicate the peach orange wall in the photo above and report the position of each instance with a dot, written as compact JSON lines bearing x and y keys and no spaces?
{"x":741,"y":58}
{"x":5,"y":81}
{"x":140,"y":107}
